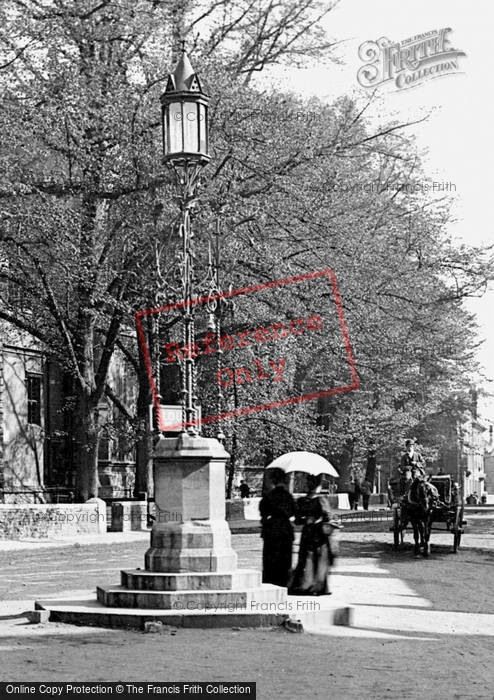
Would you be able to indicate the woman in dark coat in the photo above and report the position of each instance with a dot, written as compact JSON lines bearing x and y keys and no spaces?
{"x":315,"y":556}
{"x":276,"y":508}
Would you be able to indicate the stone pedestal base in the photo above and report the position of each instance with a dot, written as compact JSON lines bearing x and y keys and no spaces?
{"x":191,"y":577}
{"x":239,"y":591}
{"x":190,"y":565}
{"x":197,"y":545}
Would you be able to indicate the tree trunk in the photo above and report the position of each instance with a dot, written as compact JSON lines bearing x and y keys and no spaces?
{"x":233,"y":462}
{"x":343,"y":461}
{"x":144,"y":446}
{"x":234,"y":450}
{"x":144,"y":466}
{"x":370,"y":473}
{"x":86,"y":443}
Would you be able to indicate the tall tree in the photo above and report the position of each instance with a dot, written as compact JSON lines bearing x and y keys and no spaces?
{"x":309,"y":186}
{"x":80,"y":86}
{"x":76,"y":189}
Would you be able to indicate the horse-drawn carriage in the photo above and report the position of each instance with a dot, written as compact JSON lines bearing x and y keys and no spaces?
{"x":421,"y":503}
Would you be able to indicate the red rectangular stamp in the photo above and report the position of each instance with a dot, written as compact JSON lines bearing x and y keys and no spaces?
{"x":286,"y":342}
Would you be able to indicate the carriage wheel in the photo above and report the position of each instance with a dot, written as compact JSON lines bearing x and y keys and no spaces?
{"x":457,"y":528}
{"x":396,"y":527}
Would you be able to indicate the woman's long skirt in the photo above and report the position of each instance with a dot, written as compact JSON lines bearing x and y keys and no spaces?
{"x":277,"y":560}
{"x":311,"y":574}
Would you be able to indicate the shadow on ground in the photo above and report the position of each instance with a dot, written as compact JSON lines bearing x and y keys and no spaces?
{"x":460,"y":582}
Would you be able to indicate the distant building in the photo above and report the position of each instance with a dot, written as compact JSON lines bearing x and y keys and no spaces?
{"x":22,"y":418}
{"x":36,"y":456}
{"x":461,"y":453}
{"x":472,"y":445}
{"x":489,"y":458}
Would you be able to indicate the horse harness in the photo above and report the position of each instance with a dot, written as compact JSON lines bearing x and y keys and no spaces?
{"x":431,"y":496}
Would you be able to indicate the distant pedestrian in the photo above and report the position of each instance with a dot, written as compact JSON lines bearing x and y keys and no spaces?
{"x":356,"y":497}
{"x":455,"y":493}
{"x":277,"y":508}
{"x":365,"y":490}
{"x":390,"y":494}
{"x":244,"y":490}
{"x":351,"y":492}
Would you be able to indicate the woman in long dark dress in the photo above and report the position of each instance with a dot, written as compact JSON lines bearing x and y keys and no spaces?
{"x":315,"y":556}
{"x":276,"y":508}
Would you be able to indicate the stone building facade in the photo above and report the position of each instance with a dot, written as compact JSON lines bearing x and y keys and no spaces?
{"x":36,"y":461}
{"x":22,"y":419}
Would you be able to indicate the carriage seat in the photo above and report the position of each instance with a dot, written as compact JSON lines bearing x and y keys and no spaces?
{"x":448,"y":494}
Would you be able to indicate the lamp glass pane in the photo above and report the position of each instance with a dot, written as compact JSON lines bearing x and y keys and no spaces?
{"x":203,"y":129}
{"x":191,"y":129}
{"x":164,"y":125}
{"x":175,"y":127}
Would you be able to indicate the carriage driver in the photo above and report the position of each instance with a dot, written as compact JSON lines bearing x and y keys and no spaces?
{"x":412,"y":462}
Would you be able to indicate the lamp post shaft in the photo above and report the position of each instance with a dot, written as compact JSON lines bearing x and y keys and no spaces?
{"x":217,"y":327}
{"x":187,"y":182}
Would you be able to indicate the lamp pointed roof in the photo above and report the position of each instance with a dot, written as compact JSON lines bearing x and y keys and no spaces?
{"x":184,"y":78}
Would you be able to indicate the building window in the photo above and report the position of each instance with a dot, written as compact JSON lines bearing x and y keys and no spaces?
{"x":33,"y":384}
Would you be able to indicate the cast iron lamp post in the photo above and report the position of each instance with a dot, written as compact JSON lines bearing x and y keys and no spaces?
{"x":184,"y":108}
{"x":190,"y":540}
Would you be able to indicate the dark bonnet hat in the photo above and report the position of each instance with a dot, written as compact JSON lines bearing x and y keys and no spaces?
{"x":313,"y":481}
{"x":277,"y":475}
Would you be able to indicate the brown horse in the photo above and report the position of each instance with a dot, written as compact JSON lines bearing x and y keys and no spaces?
{"x":418,"y":509}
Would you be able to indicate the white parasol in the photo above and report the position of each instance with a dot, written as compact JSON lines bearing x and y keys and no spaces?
{"x":307,"y":462}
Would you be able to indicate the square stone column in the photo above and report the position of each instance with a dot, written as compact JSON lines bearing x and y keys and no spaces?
{"x":190,"y":533}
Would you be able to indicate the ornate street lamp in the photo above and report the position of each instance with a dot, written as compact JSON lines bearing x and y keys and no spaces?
{"x":185,"y":118}
{"x":184,"y":109}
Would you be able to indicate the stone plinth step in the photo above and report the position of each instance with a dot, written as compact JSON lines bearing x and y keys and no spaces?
{"x":185,"y":560}
{"x":239,"y":599}
{"x":82,"y":610}
{"x":140,"y":580}
{"x":317,"y":620}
